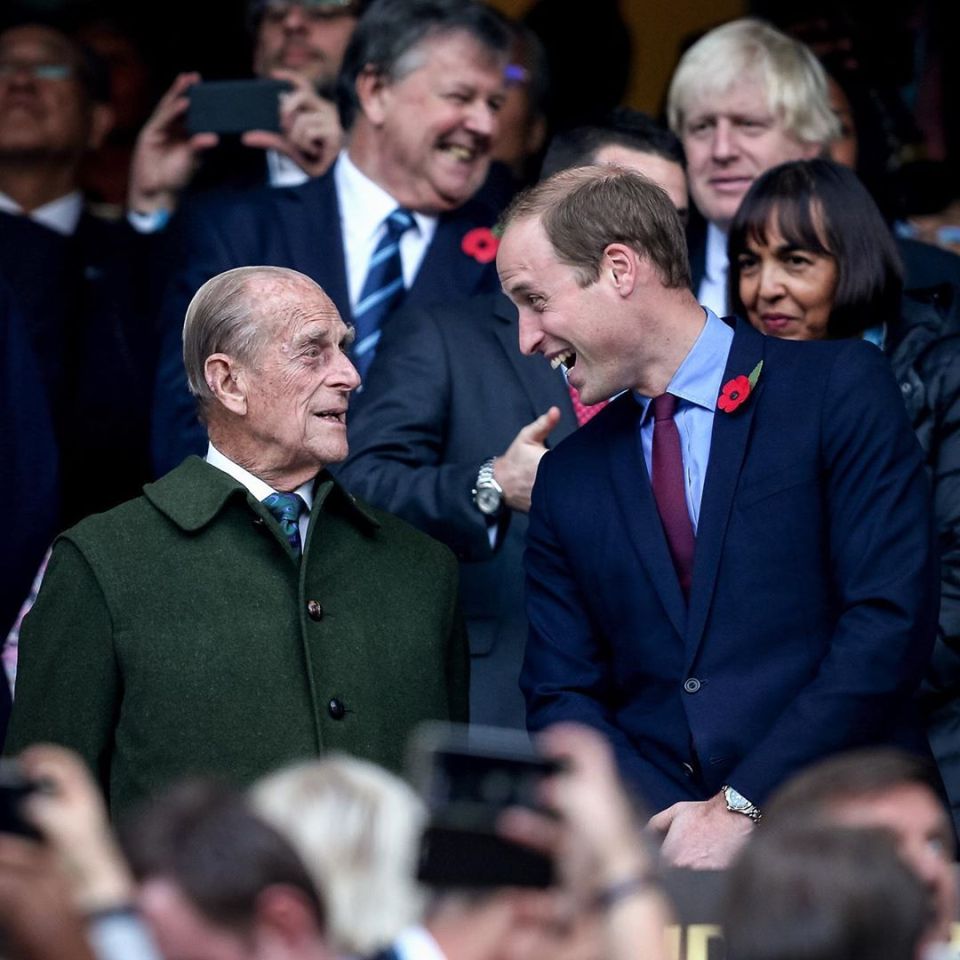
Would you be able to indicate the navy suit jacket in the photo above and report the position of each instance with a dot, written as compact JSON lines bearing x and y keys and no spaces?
{"x":448,"y":389}
{"x":297,"y":227}
{"x":814,"y":598}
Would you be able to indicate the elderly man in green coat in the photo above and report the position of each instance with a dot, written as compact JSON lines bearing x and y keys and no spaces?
{"x":246,"y":611}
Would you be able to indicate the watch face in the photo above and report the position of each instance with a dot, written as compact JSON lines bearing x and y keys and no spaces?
{"x":488,"y":500}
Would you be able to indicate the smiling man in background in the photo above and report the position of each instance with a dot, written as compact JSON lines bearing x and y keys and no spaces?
{"x":419,"y":93}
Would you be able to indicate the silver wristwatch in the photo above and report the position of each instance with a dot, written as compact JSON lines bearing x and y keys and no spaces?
{"x":487,"y":493}
{"x":738,"y":803}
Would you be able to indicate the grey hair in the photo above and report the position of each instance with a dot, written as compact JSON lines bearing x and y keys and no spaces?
{"x":794,"y":81}
{"x":225,"y":316}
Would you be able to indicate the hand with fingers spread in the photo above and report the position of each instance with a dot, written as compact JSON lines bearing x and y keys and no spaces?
{"x":310,"y":127}
{"x":516,"y":469}
{"x":166,"y":156}
{"x":70,"y":814}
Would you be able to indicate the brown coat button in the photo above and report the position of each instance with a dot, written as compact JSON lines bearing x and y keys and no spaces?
{"x":314,"y":610}
{"x":336,"y":709}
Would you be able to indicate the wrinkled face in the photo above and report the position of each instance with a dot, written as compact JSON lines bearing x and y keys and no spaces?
{"x":306,"y":38}
{"x":435,"y":125}
{"x":45,"y":115}
{"x":181,"y":932}
{"x":787,"y":291}
{"x":924,"y":836}
{"x":299,"y":383}
{"x":730,"y":139}
{"x":663,"y":172}
{"x":570,"y":325}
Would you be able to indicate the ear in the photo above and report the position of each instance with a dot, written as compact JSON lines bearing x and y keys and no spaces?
{"x":810,"y":151}
{"x":101,"y":123}
{"x":373,"y":93}
{"x":536,"y":135}
{"x":284,"y":915}
{"x":224,"y":377}
{"x":622,"y":267}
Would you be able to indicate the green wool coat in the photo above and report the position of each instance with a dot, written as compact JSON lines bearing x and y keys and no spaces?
{"x":179,"y":634}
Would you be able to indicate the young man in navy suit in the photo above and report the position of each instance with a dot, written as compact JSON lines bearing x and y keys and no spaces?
{"x":729,"y":568}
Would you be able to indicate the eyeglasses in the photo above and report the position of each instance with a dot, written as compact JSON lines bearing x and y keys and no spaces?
{"x":275,"y":11}
{"x":39,"y":71}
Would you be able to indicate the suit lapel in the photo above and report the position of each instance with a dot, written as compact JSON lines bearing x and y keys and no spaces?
{"x":543,"y":386}
{"x":446,"y":271}
{"x":728,"y":447}
{"x":310,"y":224}
{"x":634,"y":496}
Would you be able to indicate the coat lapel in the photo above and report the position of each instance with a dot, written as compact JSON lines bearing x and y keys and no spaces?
{"x":634,"y":496}
{"x":728,"y":447}
{"x":309,"y":222}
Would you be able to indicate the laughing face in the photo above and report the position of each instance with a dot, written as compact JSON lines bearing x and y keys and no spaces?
{"x":298,"y":385}
{"x":730,"y":138}
{"x":572,"y":326}
{"x":435,"y":125}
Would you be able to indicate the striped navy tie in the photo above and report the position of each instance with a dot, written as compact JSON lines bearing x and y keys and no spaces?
{"x":382,"y":290}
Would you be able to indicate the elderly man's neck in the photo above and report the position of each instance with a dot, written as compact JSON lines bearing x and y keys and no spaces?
{"x":255,"y":458}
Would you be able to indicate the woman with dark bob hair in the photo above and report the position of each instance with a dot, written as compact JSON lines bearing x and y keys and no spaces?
{"x":811,"y":258}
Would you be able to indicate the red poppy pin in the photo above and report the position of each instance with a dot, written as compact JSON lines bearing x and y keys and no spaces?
{"x":735,"y":392}
{"x":480,"y":243}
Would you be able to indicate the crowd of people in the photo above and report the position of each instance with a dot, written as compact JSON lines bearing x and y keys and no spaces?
{"x":415,"y":409}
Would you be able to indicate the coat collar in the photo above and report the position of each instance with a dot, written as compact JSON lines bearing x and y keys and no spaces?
{"x":194,"y":494}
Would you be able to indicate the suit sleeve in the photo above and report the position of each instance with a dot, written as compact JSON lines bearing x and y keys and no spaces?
{"x":68,"y":683}
{"x":883,"y":571}
{"x":399,"y":426}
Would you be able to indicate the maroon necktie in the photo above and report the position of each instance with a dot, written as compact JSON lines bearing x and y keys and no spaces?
{"x":669,"y":487}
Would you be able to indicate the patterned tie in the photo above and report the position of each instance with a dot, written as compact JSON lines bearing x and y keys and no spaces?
{"x":287,"y":507}
{"x":382,"y":290}
{"x":668,"y":489}
{"x":584,"y":411}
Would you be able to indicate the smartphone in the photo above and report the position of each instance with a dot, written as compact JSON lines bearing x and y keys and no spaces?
{"x":468,"y":776}
{"x":15,"y":786}
{"x":235,"y":106}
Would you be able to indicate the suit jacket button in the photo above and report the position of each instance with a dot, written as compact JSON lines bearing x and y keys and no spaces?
{"x":314,"y":610}
{"x":336,"y":709}
{"x":691,"y":685}
{"x":688,"y":769}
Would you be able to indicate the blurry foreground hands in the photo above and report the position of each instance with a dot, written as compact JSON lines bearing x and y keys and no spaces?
{"x":310,"y":127}
{"x":72,"y":818}
{"x":597,"y":843}
{"x":37,"y":916}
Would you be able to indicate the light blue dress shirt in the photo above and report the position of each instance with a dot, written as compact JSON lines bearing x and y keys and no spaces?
{"x":696,"y":384}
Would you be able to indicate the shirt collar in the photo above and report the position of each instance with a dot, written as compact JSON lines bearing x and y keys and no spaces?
{"x":699,"y":378}
{"x":365,"y":205}
{"x":715,"y":265}
{"x":257,"y":487}
{"x":61,"y":215}
{"x":284,"y":172}
{"x":417,"y":943}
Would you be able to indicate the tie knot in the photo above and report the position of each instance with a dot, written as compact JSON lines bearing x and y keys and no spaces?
{"x":285,"y":506}
{"x":664,"y":406}
{"x":399,"y":222}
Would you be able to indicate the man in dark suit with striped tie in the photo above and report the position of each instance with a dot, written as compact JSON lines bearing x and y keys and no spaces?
{"x":393,"y":220}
